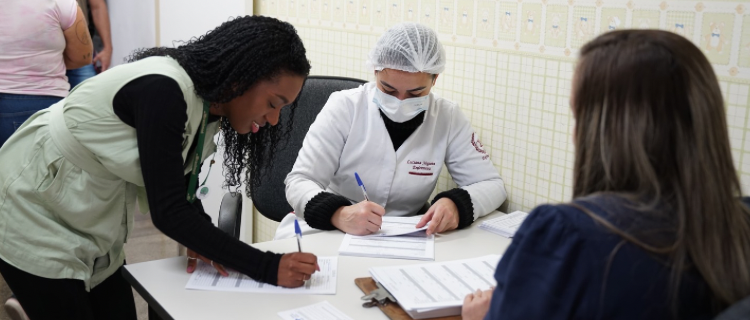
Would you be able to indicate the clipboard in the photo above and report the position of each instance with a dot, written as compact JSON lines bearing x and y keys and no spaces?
{"x":391,"y":309}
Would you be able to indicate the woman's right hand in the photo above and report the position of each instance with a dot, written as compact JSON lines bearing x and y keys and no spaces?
{"x":295,"y":268}
{"x":359,"y":219}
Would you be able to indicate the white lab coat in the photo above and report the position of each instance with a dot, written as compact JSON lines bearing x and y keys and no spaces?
{"x":349,"y":136}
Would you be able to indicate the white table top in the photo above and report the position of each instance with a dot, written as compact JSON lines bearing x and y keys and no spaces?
{"x":164,"y":280}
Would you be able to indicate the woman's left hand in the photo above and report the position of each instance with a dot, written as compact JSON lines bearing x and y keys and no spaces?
{"x":442,"y":216}
{"x":192,"y":263}
{"x":105,"y":57}
{"x":476,"y":305}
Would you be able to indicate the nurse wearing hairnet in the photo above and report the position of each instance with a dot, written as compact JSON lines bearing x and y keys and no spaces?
{"x":397,"y":136}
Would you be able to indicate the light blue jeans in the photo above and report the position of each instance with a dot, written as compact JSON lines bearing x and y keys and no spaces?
{"x":16,"y":108}
{"x":76,"y":76}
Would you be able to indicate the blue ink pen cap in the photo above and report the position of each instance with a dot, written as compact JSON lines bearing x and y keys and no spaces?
{"x":359,"y":181}
{"x":296,"y":228}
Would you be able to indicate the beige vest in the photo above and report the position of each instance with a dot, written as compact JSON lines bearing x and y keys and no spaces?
{"x":71,"y":175}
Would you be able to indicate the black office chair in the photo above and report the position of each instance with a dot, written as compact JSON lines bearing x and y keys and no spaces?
{"x":270,"y":197}
{"x":230,"y":214}
{"x":738,"y":311}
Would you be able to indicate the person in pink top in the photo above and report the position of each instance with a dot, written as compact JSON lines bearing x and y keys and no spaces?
{"x":39,"y":40}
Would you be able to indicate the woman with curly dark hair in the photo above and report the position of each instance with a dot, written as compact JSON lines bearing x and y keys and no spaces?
{"x":72,"y":173}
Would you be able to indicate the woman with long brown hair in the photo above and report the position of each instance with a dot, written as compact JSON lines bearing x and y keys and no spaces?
{"x":657,"y":228}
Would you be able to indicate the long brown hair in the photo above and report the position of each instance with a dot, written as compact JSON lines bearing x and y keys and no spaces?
{"x":651,"y":128}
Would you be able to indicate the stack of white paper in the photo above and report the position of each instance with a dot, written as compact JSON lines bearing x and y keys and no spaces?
{"x":505,"y":225}
{"x":205,"y":277}
{"x":436,"y":289}
{"x":398,"y":238}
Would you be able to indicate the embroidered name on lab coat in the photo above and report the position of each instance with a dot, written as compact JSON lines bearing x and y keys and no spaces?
{"x":478,"y":146}
{"x":420,"y":168}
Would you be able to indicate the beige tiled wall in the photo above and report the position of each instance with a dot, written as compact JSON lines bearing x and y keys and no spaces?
{"x":510,"y":65}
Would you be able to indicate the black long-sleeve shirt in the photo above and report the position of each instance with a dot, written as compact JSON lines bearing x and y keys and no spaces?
{"x":155,"y":106}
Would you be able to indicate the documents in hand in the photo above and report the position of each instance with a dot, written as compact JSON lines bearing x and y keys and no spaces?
{"x":507,"y":225}
{"x":436,"y":289}
{"x":319,"y":311}
{"x":398,"y":238}
{"x":205,"y":277}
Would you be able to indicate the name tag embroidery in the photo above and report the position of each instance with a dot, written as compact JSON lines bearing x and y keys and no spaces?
{"x":420,"y":168}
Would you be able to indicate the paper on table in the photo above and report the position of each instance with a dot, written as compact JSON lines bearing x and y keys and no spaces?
{"x":319,"y":311}
{"x":437,"y":285}
{"x":397,"y":226}
{"x":205,"y":277}
{"x":505,"y":225}
{"x":398,"y":239}
{"x":395,"y":247}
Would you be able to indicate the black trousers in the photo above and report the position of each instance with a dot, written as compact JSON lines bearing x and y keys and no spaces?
{"x":44,"y":298}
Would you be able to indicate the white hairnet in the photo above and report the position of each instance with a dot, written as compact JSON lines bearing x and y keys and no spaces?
{"x":409,"y":47}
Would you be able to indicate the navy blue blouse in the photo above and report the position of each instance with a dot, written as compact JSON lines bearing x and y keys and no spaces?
{"x":563,"y":265}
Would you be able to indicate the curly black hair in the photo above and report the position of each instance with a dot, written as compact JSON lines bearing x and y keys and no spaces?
{"x":226,"y":62}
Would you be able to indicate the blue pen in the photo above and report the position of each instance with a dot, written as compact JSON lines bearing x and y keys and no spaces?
{"x":298,"y":231}
{"x":359,"y":182}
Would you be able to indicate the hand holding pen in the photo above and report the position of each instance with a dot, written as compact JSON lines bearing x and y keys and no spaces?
{"x":296,"y":268}
{"x":362,"y":218}
{"x":361,"y":185}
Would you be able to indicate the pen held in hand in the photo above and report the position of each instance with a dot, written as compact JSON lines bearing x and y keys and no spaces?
{"x":361,"y":185}
{"x":364,"y":190}
{"x":298,"y":232}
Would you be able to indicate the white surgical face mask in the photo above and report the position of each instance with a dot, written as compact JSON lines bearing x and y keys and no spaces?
{"x":400,"y":110}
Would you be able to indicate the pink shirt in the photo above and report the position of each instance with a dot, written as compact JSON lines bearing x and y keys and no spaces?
{"x":32,"y":45}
